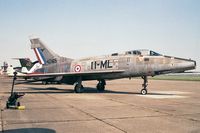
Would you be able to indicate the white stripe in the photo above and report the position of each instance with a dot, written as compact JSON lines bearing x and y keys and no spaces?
{"x":39,"y":56}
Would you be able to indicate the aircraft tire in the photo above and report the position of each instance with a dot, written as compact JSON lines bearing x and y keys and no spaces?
{"x":144,"y":91}
{"x":78,"y":89}
{"x":100,"y":87}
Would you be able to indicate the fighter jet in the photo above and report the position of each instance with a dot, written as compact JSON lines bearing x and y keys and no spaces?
{"x":128,"y":64}
{"x":26,"y":67}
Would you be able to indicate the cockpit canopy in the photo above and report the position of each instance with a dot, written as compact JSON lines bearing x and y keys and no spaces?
{"x":142,"y":52}
{"x":139,"y":52}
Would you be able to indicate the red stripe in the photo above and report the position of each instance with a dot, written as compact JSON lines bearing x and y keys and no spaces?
{"x":37,"y":56}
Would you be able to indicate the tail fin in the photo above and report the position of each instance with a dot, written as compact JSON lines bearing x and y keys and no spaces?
{"x":26,"y":62}
{"x":28,"y":66}
{"x":42,"y":52}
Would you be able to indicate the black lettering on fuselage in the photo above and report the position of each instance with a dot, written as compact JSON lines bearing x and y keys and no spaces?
{"x":103,"y":64}
{"x":92,"y":65}
{"x":109,"y":64}
{"x":95,"y":65}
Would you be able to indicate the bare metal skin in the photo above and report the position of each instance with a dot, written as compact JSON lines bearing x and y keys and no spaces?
{"x":136,"y":63}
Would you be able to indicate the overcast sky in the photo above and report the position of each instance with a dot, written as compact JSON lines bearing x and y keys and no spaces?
{"x":81,"y":28}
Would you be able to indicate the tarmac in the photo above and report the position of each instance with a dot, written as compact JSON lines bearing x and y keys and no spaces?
{"x":169,"y":107}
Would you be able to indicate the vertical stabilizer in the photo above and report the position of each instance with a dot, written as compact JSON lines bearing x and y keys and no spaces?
{"x":42,"y":52}
{"x":26,"y":62}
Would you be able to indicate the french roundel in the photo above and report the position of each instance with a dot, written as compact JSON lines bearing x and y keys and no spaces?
{"x":77,"y":68}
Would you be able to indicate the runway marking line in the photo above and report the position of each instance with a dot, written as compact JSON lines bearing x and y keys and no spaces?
{"x":165,"y":94}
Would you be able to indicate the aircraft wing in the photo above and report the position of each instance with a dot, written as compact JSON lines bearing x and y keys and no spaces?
{"x":70,"y":73}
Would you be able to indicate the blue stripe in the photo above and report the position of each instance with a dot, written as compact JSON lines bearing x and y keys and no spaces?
{"x":42,"y":55}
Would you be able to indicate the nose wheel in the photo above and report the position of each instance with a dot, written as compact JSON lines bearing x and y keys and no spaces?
{"x":144,"y":85}
{"x":144,"y":91}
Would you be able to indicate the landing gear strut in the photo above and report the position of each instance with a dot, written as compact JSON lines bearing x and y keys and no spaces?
{"x":78,"y":86}
{"x":101,"y":85}
{"x":144,"y":85}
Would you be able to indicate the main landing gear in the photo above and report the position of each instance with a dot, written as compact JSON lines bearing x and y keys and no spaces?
{"x":144,"y":85}
{"x":79,"y":87}
{"x":101,"y":85}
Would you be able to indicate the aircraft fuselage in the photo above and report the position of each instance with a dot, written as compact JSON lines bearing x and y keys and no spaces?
{"x":133,"y":66}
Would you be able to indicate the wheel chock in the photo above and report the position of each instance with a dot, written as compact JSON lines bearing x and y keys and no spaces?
{"x":21,"y":107}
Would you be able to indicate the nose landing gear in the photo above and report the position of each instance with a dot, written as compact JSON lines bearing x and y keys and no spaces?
{"x":144,"y":85}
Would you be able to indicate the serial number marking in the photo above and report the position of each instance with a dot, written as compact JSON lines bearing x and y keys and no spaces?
{"x":103,"y":64}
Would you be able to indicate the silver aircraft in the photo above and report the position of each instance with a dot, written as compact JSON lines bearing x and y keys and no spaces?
{"x":128,"y":64}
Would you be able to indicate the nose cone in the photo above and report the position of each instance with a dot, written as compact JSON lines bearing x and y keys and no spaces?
{"x":186,"y":64}
{"x":195,"y":64}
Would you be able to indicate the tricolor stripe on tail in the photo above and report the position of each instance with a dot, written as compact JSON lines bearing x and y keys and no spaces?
{"x":40,"y":56}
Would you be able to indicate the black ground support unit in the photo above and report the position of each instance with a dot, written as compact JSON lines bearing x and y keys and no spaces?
{"x":13,"y":100}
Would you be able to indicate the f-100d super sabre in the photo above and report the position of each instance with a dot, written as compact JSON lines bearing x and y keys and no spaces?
{"x":134,"y":63}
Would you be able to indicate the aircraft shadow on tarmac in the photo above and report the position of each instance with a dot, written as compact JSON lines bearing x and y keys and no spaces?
{"x":54,"y":90}
{"x":34,"y":130}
